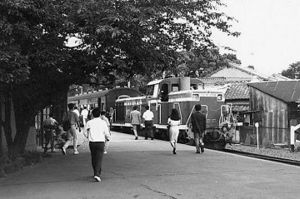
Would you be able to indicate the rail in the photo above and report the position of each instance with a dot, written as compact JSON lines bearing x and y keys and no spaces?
{"x":264,"y":157}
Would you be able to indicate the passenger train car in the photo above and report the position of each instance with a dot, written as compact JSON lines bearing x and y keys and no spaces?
{"x":105,"y":99}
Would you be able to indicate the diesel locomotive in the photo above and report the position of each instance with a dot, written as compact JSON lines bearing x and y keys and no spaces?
{"x":182,"y":93}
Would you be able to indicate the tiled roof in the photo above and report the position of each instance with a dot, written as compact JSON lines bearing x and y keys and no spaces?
{"x":287,"y":91}
{"x":236,"y":71}
{"x":237,"y":91}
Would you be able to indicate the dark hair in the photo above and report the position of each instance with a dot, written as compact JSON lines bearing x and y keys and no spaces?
{"x":71,"y":106}
{"x":147,"y":107}
{"x":50,"y":114}
{"x":198,"y":107}
{"x":102,"y":113}
{"x":96,"y":112}
{"x":175,"y":114}
{"x":135,"y":107}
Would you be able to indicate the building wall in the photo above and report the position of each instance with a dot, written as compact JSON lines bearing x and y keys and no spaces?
{"x":272,"y":115}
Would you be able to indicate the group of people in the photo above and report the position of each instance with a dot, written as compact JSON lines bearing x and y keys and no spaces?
{"x":197,"y":124}
{"x":136,"y":121}
{"x":97,"y":131}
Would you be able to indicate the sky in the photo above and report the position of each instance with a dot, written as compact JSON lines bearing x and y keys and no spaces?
{"x":270,"y":33}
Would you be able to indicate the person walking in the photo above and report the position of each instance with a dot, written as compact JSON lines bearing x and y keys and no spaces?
{"x":96,"y":130}
{"x":198,"y":121}
{"x":135,"y":119}
{"x":76,"y":110}
{"x":148,"y":121}
{"x":73,"y":119}
{"x":104,"y":118}
{"x":49,"y":125}
{"x":84,"y":114}
{"x":174,"y":122}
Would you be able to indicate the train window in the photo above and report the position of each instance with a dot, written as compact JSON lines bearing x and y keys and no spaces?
{"x":194,"y":86}
{"x":123,"y":96}
{"x":164,"y":92}
{"x":175,"y":87}
{"x":196,"y":96}
{"x":150,"y":90}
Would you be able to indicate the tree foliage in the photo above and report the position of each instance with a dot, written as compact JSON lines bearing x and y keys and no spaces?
{"x":143,"y":37}
{"x":201,"y":62}
{"x":118,"y":38}
{"x":293,"y":71}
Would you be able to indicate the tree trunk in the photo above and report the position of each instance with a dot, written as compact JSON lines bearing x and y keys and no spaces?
{"x":23,"y":123}
{"x":7,"y":123}
{"x":59,"y":107}
{"x":1,"y":130}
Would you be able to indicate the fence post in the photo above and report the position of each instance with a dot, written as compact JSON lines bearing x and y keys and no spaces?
{"x":257,"y":138}
{"x":292,"y":137}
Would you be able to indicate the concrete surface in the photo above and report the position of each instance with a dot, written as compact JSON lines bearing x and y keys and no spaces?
{"x":148,"y":169}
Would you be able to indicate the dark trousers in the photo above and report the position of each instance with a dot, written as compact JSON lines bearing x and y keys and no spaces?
{"x":97,"y":149}
{"x":149,"y":129}
{"x":49,"y":138}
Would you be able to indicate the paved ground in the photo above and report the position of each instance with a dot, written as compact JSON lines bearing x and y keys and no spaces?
{"x":147,"y":169}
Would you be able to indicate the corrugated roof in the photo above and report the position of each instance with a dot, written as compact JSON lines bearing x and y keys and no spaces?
{"x":240,"y":108}
{"x":287,"y":91}
{"x":237,"y":91}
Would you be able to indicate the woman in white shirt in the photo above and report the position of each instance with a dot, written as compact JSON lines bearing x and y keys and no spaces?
{"x":174,"y":122}
{"x":97,"y":132}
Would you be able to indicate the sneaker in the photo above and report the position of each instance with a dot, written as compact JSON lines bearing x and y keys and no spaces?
{"x":174,"y":151}
{"x":105,"y":152}
{"x":198,"y":151}
{"x":63,"y":150}
{"x":136,"y":138}
{"x":76,"y":153}
{"x":97,"y":178}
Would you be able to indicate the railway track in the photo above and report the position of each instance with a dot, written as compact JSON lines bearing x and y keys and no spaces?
{"x":264,"y":157}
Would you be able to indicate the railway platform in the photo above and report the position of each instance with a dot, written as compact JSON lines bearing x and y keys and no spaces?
{"x":148,"y":169}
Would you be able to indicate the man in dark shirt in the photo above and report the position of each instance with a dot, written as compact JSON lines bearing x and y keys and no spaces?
{"x":198,"y":121}
{"x":72,"y":132}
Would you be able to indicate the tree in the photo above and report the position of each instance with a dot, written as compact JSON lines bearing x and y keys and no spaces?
{"x":117,"y":38}
{"x":201,"y":62}
{"x":293,"y":71}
